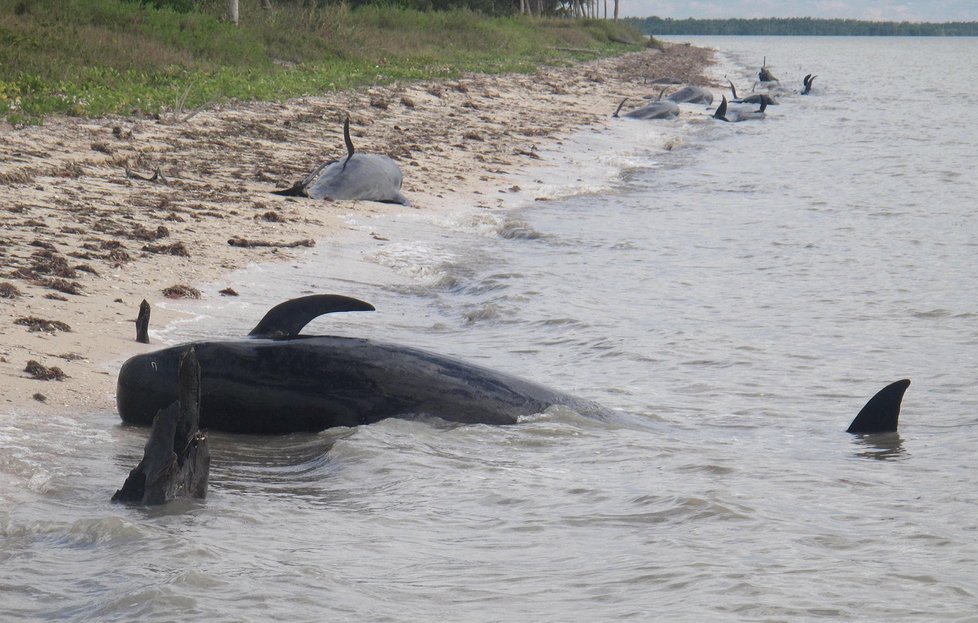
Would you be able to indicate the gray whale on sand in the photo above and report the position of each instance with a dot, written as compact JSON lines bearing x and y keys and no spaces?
{"x":370,"y":177}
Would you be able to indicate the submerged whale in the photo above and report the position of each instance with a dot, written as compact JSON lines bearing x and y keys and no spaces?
{"x":277,"y":381}
{"x":371,"y":177}
{"x":754,"y":98}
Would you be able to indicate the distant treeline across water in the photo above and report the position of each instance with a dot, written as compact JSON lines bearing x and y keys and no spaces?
{"x":802,"y":26}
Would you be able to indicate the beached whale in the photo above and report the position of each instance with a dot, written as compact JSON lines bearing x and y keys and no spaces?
{"x":691,"y":95}
{"x":277,"y":381}
{"x":370,"y":177}
{"x":661,"y":109}
{"x":725,"y":112}
{"x":765,"y":75}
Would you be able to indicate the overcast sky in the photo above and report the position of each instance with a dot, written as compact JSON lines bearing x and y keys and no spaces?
{"x":881,"y":10}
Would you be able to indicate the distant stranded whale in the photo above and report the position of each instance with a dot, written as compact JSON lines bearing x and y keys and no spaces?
{"x":691,"y":95}
{"x":370,"y":177}
{"x":661,"y":109}
{"x":724,"y":112}
{"x":278,"y":381}
{"x":755,"y":98}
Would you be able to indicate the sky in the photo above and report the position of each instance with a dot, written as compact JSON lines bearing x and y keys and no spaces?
{"x":879,"y":10}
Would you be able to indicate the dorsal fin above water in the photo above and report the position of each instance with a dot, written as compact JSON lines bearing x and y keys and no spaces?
{"x":348,"y":141}
{"x":881,"y":413}
{"x":288,"y":318}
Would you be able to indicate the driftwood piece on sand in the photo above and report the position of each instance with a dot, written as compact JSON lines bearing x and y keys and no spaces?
{"x":176,"y":460}
{"x":142,"y":323}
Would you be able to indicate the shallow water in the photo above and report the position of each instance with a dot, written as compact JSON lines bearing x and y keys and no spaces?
{"x":744,"y":293}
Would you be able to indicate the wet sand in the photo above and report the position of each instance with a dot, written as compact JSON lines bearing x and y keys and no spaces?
{"x":98,"y":214}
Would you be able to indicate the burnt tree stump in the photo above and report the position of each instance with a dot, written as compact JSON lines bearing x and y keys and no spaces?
{"x":142,"y":323}
{"x":176,"y":459}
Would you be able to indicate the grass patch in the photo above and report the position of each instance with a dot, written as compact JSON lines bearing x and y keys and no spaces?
{"x":98,"y":57}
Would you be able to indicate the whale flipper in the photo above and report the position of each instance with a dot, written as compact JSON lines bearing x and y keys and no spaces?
{"x":881,"y":413}
{"x":288,"y":318}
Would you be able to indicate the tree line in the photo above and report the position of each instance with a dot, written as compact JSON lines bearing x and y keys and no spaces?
{"x":801,"y":26}
{"x":233,"y":9}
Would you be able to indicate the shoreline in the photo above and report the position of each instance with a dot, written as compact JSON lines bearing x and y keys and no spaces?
{"x":85,"y":235}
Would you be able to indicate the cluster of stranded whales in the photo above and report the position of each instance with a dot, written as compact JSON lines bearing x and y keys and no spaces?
{"x":732,"y":110}
{"x":276,"y":381}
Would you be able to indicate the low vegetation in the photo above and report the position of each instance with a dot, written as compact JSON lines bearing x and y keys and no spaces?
{"x":98,"y":57}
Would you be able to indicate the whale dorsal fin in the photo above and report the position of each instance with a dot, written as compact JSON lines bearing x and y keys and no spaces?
{"x":617,"y":110}
{"x":721,"y":111}
{"x":288,"y":318}
{"x":733,"y":89}
{"x":881,"y":413}
{"x":349,"y":143}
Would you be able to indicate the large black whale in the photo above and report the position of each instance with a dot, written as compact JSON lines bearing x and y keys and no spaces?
{"x":278,"y":381}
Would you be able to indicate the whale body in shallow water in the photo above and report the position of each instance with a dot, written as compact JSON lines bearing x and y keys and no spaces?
{"x":277,"y":381}
{"x":370,"y":177}
{"x":661,"y":109}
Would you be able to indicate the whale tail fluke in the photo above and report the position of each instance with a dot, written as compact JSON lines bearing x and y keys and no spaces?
{"x":807,"y":83}
{"x":287,"y":319}
{"x":881,"y":413}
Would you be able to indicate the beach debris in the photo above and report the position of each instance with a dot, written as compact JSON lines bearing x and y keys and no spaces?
{"x":176,"y":248}
{"x":8,"y":291}
{"x":157,"y":177}
{"x":36,"y":325}
{"x":40,"y":397}
{"x":176,"y":458}
{"x":181,"y":292}
{"x":228,"y":292}
{"x":41,"y":372}
{"x":142,"y":323}
{"x":246,"y":243}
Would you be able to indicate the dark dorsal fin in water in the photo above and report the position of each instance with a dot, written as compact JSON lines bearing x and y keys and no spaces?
{"x":346,"y":139}
{"x":807,"y":82}
{"x":764,"y":100}
{"x":288,"y":318}
{"x":721,"y":111}
{"x":618,"y":110}
{"x":733,"y":89}
{"x":661,"y":93}
{"x":881,"y":413}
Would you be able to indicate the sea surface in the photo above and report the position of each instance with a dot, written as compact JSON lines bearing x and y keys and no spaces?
{"x":743,"y":289}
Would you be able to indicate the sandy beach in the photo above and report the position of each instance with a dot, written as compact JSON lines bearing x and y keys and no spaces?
{"x":98,"y":214}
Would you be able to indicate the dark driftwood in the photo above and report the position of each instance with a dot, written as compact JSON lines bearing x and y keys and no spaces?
{"x":142,"y":323}
{"x":176,"y":460}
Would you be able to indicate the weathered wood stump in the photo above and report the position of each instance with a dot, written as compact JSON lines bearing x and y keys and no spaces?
{"x":176,"y":460}
{"x":142,"y":323}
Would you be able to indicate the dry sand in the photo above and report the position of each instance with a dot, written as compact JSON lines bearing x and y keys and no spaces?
{"x":86,"y":234}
